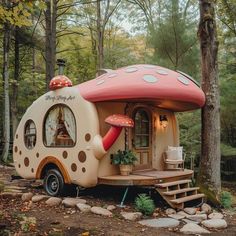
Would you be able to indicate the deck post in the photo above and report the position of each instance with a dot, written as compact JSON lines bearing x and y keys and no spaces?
{"x":124,"y":197}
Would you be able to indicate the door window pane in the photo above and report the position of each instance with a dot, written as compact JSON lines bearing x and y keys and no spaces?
{"x":142,"y":128}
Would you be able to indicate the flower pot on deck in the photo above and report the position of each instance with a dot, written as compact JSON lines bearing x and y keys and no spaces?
{"x":125,"y":169}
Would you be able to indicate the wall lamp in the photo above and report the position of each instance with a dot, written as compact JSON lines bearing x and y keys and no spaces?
{"x":163,"y":121}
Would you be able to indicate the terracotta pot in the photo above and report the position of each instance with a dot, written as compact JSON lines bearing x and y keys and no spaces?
{"x":126,"y":169}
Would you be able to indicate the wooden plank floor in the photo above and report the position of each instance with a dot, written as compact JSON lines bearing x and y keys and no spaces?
{"x":145,"y":177}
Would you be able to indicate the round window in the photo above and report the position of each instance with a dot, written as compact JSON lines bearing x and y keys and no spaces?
{"x":30,"y":134}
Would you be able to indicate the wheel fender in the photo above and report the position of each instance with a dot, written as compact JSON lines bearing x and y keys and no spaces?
{"x":55,"y":161}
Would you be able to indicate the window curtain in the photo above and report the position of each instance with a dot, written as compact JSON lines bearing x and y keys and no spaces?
{"x":69,"y":122}
{"x":51,"y":126}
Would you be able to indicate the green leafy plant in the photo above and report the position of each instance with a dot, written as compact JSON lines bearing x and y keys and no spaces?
{"x":125,"y":157}
{"x":144,"y":204}
{"x":226,"y":199}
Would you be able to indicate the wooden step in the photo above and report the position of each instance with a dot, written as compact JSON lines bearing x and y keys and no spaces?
{"x":168,"y":184}
{"x":183,"y":190}
{"x":188,"y":198}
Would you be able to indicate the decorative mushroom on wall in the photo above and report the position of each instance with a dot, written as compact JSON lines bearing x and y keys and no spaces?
{"x":117,"y":122}
{"x":60,"y":81}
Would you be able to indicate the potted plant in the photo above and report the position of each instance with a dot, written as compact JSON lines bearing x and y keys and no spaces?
{"x":125,"y":159}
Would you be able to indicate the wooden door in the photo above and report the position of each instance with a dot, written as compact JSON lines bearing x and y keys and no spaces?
{"x":142,"y":138}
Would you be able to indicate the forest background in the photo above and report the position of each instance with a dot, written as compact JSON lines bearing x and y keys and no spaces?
{"x":95,"y":34}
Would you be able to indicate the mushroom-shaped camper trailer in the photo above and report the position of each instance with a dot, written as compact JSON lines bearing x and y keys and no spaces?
{"x":68,"y":134}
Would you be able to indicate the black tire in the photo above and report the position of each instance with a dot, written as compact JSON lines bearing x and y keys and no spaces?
{"x":53,"y":183}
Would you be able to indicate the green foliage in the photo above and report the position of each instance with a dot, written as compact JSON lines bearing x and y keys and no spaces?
{"x":126,"y":157}
{"x":18,"y":12}
{"x":227,"y":150}
{"x":144,"y":204}
{"x":226,"y":199}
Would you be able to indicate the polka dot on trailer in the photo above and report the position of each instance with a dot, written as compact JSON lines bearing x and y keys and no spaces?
{"x":73,"y":167}
{"x":87,"y":137}
{"x":131,"y":69}
{"x":82,"y":156}
{"x":150,"y":79}
{"x":162,"y":72}
{"x":112,"y":75}
{"x":26,"y":161}
{"x":183,"y":80}
{"x":100,"y":82}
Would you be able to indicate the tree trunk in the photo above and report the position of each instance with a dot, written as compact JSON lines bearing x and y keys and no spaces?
{"x":209,"y":171}
{"x":50,"y":39}
{"x":6,"y":49}
{"x":14,"y":108}
{"x":100,"y":35}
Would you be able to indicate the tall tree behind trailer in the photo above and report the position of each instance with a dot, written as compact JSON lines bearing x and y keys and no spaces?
{"x":6,"y":129}
{"x":50,"y":39}
{"x":209,"y":171}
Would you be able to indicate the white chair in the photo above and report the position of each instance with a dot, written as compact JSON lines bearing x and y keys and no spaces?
{"x":174,"y":158}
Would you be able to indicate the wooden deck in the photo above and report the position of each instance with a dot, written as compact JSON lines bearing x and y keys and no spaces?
{"x":146,"y":178}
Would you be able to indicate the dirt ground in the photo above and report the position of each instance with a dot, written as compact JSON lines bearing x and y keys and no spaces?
{"x":57,"y":221}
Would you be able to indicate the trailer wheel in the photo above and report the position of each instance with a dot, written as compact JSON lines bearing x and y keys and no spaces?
{"x":53,"y":182}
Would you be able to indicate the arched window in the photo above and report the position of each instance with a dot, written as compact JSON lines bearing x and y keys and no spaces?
{"x":141,"y":129}
{"x":30,"y":134}
{"x":60,"y":127}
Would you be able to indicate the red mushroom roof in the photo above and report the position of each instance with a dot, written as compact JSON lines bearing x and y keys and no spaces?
{"x":157,"y":85}
{"x":119,"y":120}
{"x":60,"y":81}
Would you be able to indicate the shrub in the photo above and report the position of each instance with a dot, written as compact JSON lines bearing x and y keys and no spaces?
{"x":226,"y":199}
{"x":144,"y":204}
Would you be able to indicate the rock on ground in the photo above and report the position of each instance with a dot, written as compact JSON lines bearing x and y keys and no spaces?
{"x":190,"y":210}
{"x":101,"y":211}
{"x":27,"y":197}
{"x":160,"y":223}
{"x":111,"y":207}
{"x":38,"y":198}
{"x":54,"y":201}
{"x":192,"y":228}
{"x":177,"y":216}
{"x":206,"y":208}
{"x":198,"y":217}
{"x":190,"y":221}
{"x":83,"y":207}
{"x":215,"y":215}
{"x":72,"y":202}
{"x":215,"y":223}
{"x":182,"y":213}
{"x":170,"y":211}
{"x":131,"y":215}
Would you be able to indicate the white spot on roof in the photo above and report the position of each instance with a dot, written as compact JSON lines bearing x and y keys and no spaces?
{"x":162,"y":72}
{"x":150,"y":79}
{"x":183,"y":80}
{"x":112,"y":75}
{"x":131,"y":69}
{"x":149,"y":66}
{"x":100,"y":82}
